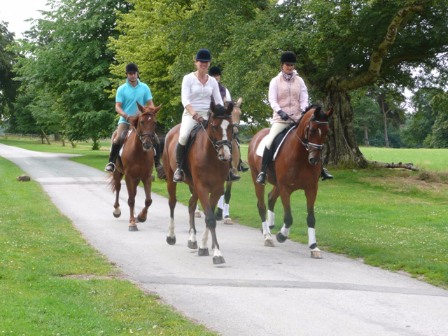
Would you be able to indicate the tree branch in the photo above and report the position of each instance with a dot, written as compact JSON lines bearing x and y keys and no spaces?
{"x":394,"y":165}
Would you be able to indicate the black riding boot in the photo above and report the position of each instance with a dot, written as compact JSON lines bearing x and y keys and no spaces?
{"x":242,"y":167}
{"x":325,"y":175}
{"x":157,"y":164}
{"x":115,"y":150}
{"x":231,"y":176}
{"x":261,"y":178}
{"x":180,"y":153}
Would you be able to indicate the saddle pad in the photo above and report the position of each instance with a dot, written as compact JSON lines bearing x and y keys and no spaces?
{"x":262,"y":144}
{"x":122,"y":147}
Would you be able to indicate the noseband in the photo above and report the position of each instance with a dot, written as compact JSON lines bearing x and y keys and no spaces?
{"x":306,"y":143}
{"x":142,"y":136}
{"x":220,"y":143}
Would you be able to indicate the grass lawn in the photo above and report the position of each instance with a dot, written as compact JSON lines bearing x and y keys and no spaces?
{"x":390,"y":218}
{"x":53,"y":283}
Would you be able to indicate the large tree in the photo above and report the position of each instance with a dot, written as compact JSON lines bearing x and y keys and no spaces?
{"x":66,"y":60}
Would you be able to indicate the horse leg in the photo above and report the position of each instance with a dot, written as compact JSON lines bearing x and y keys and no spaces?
{"x":226,"y":211}
{"x":143,"y":214}
{"x":131,"y":184}
{"x":287,"y":219}
{"x":192,"y":242}
{"x":171,"y":186}
{"x":272,"y":199}
{"x":211,"y":223}
{"x":261,"y":205}
{"x":117,"y":176}
{"x":218,"y":212}
{"x":311,"y":222}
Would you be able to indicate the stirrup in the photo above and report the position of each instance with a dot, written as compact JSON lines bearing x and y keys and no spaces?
{"x":261,"y":178}
{"x":179,"y":171}
{"x":110,"y":167}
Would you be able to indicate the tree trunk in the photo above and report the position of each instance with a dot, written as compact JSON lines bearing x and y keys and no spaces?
{"x":366,"y":137}
{"x":57,"y":136}
{"x":341,"y":147}
{"x":46,"y":136}
{"x":385,"y":129}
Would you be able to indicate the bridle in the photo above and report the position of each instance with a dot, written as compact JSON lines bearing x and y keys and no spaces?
{"x":142,"y":136}
{"x":220,"y":143}
{"x":306,"y":143}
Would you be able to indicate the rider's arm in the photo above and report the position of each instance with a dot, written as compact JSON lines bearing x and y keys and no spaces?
{"x":303,"y":95}
{"x":150,"y":103}
{"x":273,"y":95}
{"x":119,"y":109}
{"x":216,"y":94}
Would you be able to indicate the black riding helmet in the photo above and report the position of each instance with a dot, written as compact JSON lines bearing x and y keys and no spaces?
{"x":214,"y":71}
{"x":131,"y":67}
{"x":204,"y":55}
{"x":288,"y":57}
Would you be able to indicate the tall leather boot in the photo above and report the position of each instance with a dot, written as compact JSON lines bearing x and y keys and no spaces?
{"x":180,"y":153}
{"x":157,"y":164}
{"x":231,"y":176}
{"x":115,"y":150}
{"x":325,"y":175}
{"x":261,"y":178}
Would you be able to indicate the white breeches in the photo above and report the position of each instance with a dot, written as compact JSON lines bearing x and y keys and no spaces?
{"x":276,"y":128}
{"x":187,"y":125}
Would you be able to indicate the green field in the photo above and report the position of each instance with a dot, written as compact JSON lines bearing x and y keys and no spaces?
{"x":392,"y":218}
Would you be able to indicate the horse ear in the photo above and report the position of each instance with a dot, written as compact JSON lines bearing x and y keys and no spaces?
{"x":230,"y":108}
{"x":317,"y":111}
{"x":157,"y":109}
{"x":238,"y":103}
{"x":140,"y":108}
{"x":329,"y":112}
{"x":212,"y":106}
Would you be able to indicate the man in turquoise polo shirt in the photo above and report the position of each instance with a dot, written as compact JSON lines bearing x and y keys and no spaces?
{"x":126,"y":99}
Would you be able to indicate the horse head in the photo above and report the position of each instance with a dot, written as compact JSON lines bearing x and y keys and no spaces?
{"x":219,"y":130}
{"x":236,"y":115}
{"x":315,"y":131}
{"x":144,"y":125}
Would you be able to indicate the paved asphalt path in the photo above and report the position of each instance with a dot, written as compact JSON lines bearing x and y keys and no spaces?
{"x":259,"y":290}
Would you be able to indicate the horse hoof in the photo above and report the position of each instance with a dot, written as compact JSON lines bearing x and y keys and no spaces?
{"x":218,"y":214}
{"x":140,"y":219}
{"x":192,"y":245}
{"x":218,"y":260}
{"x":133,"y":228}
{"x":171,"y":240}
{"x":316,"y":255}
{"x":280,"y":238}
{"x":269,"y":243}
{"x":203,"y":252}
{"x":117,"y":213}
{"x":228,"y":221}
{"x":197,"y":214}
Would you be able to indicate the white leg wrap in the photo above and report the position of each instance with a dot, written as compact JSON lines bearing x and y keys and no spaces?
{"x":192,"y":236}
{"x":265,"y":227}
{"x":271,"y":218}
{"x":171,"y":228}
{"x":216,"y":252}
{"x":311,"y":236}
{"x":285,"y":231}
{"x":225,"y":212}
{"x":205,"y":239}
{"x":221,"y":202}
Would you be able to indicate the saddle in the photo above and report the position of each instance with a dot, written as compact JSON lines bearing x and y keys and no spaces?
{"x":276,"y":144}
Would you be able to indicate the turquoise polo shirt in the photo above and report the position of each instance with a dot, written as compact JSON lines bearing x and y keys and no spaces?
{"x":128,"y":96}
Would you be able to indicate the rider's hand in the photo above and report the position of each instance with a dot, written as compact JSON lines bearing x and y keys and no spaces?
{"x":127,"y":117}
{"x":283,"y":115}
{"x":198,"y":118}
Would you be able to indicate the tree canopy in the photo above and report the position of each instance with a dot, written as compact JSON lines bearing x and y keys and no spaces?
{"x":8,"y":86}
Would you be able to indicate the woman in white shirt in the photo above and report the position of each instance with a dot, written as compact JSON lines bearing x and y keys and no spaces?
{"x":197,"y":87}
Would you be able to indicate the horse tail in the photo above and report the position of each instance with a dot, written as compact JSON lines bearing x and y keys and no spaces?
{"x":111,"y":183}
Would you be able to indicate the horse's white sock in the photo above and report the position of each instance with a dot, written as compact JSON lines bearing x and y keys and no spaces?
{"x":265,"y":227}
{"x":225,"y":212}
{"x":311,"y":236}
{"x":271,"y":218}
{"x":285,"y":231}
{"x":221,"y":202}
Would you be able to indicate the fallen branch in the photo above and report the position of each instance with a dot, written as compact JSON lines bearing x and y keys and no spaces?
{"x":394,"y":165}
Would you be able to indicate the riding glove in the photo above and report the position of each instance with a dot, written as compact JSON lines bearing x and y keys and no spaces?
{"x":283,"y":115}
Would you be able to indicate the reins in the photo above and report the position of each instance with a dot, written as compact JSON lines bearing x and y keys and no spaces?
{"x":306,"y":143}
{"x":217,"y":145}
{"x":142,"y":136}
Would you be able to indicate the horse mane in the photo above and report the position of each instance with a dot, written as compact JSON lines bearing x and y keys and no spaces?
{"x":221,"y":111}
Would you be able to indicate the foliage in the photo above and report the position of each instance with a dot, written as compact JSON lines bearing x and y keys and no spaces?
{"x":8,"y":86}
{"x":66,"y":63}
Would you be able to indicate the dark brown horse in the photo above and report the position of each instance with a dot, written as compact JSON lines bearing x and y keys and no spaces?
{"x":136,"y":162}
{"x":206,"y":169}
{"x":297,"y":166}
{"x":236,"y":156}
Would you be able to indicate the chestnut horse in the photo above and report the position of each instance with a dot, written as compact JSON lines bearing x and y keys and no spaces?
{"x":297,"y":166}
{"x":136,"y":162}
{"x":223,"y":211}
{"x":205,"y":169}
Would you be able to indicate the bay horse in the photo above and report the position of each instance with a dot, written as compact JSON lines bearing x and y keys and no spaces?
{"x":136,"y":162}
{"x":206,"y":168}
{"x":297,"y":166}
{"x":236,"y":156}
